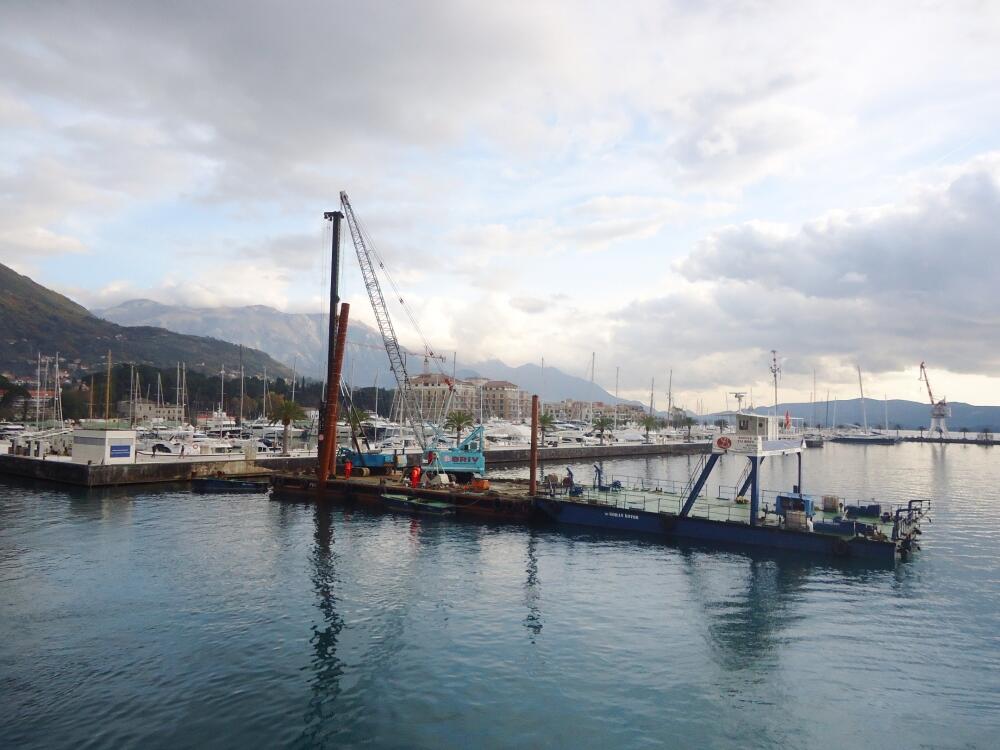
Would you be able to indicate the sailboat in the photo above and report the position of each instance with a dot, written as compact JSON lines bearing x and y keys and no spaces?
{"x":814,"y":438}
{"x":867,"y":436}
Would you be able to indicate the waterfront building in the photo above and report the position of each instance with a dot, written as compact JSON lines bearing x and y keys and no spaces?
{"x":432,"y":391}
{"x":144,"y":410}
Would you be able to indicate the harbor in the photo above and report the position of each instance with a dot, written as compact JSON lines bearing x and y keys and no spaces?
{"x":273,"y":610}
{"x":745,"y":514}
{"x":162,"y":468}
{"x":449,"y":376}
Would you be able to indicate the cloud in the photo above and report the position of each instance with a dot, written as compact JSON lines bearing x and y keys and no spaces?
{"x":507,"y":154}
{"x":886,"y":287}
{"x":530,"y":305}
{"x":933,"y":249}
{"x":221,"y":286}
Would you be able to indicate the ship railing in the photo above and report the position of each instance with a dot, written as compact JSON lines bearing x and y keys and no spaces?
{"x":645,"y":484}
{"x":912,"y":508}
{"x":665,"y":502}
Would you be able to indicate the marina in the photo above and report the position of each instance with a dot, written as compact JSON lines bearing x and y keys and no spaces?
{"x":477,"y":376}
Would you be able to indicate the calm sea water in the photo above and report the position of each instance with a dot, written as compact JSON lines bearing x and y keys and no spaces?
{"x":157,"y":618}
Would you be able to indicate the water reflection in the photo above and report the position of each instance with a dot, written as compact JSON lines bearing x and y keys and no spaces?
{"x":327,"y":667}
{"x":747,"y":620}
{"x":532,"y":589}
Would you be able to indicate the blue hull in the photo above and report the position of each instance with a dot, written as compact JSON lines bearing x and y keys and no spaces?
{"x":671,"y":526}
{"x":227,"y":485}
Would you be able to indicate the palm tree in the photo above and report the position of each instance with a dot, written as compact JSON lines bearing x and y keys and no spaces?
{"x":287,"y":412}
{"x":545,"y":422}
{"x":688,"y":422}
{"x":601,"y":424}
{"x":650,"y":423}
{"x":458,"y":420}
{"x":921,"y":433}
{"x":965,"y":433}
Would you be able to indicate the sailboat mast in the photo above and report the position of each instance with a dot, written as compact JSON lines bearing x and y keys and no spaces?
{"x":864,"y":411}
{"x":107,"y":393}
{"x":617,"y":372}
{"x":242,"y":386}
{"x":542,"y":389}
{"x":670,"y":399}
{"x":593,"y":364}
{"x":813,"y":399}
{"x":57,"y":406}
{"x":775,"y":371}
{"x":38,"y":390}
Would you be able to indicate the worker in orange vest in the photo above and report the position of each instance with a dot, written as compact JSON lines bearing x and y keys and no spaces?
{"x":348,"y":468}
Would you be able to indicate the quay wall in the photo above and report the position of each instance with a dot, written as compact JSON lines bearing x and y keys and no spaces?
{"x":508,"y":456}
{"x":151,"y":472}
{"x":949,"y":440}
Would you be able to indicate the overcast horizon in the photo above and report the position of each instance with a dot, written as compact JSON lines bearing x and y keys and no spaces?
{"x":672,"y":185}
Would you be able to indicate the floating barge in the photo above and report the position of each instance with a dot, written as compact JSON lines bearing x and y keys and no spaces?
{"x":507,"y":502}
{"x":743,"y":515}
{"x":792,"y":521}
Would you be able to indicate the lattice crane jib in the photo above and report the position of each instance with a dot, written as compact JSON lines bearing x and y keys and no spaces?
{"x":397,"y":359}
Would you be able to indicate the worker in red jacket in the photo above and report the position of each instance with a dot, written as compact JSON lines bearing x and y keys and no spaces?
{"x":348,"y":468}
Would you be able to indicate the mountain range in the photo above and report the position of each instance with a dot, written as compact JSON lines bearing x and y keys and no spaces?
{"x":34,"y":319}
{"x":909,"y":415}
{"x":299,"y":339}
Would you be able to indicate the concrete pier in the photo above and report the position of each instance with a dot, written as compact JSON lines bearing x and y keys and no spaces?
{"x":146,"y":472}
{"x":514,"y":456}
{"x":149,"y":471}
{"x":952,"y":440}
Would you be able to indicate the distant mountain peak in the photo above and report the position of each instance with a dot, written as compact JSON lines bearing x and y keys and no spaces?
{"x":45,"y":321}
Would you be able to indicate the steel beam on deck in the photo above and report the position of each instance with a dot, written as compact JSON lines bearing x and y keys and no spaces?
{"x":754,"y":477}
{"x":746,"y":484}
{"x":696,"y":490}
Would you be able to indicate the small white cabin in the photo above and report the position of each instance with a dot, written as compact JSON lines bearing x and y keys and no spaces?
{"x":104,"y":446}
{"x":763,"y":426}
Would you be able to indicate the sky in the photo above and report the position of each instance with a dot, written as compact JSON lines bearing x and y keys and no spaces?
{"x":671,"y":186}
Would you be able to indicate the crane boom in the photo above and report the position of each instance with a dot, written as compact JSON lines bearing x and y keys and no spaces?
{"x":927,"y":382}
{"x":397,"y":358}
